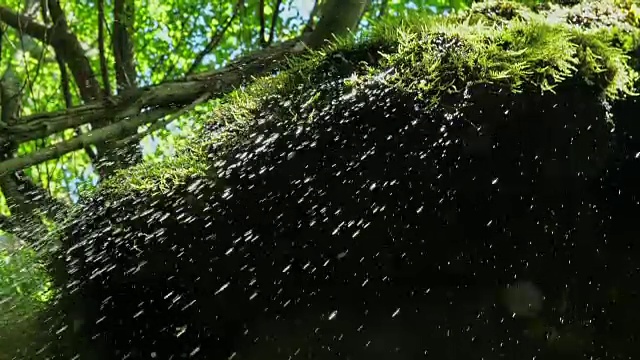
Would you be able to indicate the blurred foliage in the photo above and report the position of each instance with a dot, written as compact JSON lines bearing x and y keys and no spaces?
{"x":21,"y":277}
{"x":24,"y":291}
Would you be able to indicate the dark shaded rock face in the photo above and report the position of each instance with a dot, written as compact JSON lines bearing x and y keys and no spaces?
{"x":382,"y":206}
{"x":381,"y":229}
{"x":620,"y":199}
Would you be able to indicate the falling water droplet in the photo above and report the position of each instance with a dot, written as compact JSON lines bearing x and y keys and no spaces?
{"x":395,"y":313}
{"x":222,"y":288}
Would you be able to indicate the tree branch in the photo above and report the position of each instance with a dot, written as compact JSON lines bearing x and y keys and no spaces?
{"x":125,"y":70}
{"x":338,"y":18}
{"x":215,"y":39}
{"x":263,"y":39}
{"x":104,"y":70}
{"x":10,"y":98}
{"x":68,"y":46}
{"x":123,"y":23}
{"x":274,"y":21}
{"x":105,"y":134}
{"x":57,"y":17}
{"x":25,"y":25}
{"x":62,"y":40}
{"x":66,"y":91}
{"x":101,"y":135}
{"x":164,"y":99}
{"x":64,"y":81}
{"x":183,"y":91}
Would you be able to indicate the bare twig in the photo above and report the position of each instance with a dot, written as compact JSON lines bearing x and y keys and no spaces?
{"x":123,"y":21}
{"x":100,"y":135}
{"x":104,"y":69}
{"x":215,"y":39}
{"x":274,"y":21}
{"x":263,"y":39}
{"x":66,"y":90}
{"x":26,"y":24}
{"x":64,"y":82}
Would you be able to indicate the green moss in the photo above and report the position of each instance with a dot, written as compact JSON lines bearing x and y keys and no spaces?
{"x":497,"y":11}
{"x":501,"y":43}
{"x":514,"y":56}
{"x":158,"y":177}
{"x":599,"y":14}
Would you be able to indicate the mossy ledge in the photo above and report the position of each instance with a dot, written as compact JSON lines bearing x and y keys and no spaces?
{"x":435,"y":153}
{"x":498,"y":43}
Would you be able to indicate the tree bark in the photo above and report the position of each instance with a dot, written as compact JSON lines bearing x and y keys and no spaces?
{"x":338,"y":18}
{"x":123,"y":27}
{"x":112,"y":158}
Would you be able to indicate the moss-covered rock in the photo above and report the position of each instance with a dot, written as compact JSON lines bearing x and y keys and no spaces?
{"x":379,"y":188}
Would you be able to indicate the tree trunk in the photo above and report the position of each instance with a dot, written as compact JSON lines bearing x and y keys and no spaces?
{"x":338,"y":18}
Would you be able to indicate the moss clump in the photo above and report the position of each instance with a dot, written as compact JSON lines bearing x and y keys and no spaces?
{"x":498,"y":11}
{"x":437,"y":153}
{"x":601,"y":14}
